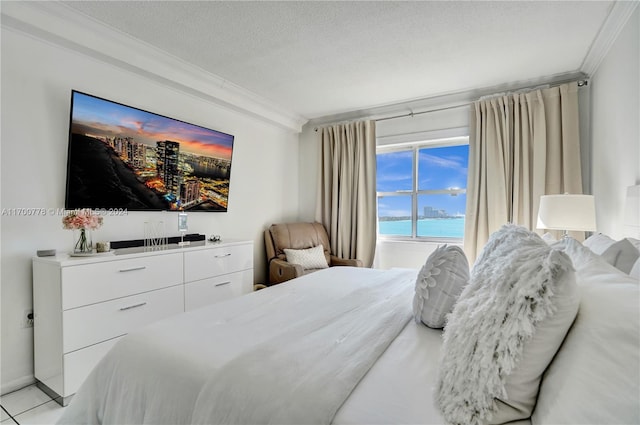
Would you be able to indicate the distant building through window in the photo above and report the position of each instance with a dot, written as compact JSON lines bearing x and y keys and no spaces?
{"x":421,"y":190}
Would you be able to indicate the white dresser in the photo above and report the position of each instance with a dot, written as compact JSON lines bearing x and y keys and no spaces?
{"x":83,"y":305}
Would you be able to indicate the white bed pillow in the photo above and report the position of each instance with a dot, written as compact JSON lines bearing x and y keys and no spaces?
{"x":580,"y":255}
{"x":622,"y":255}
{"x":505,"y":329}
{"x":594,"y":377}
{"x":634,"y":242}
{"x":598,"y":243}
{"x":635,"y":270}
{"x":439,"y":284}
{"x":310,"y":258}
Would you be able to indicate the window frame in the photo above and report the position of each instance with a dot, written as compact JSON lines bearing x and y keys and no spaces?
{"x":414,"y":193}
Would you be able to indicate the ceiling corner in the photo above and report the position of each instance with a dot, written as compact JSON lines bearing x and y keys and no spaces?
{"x":56,"y":23}
{"x":620,"y":13}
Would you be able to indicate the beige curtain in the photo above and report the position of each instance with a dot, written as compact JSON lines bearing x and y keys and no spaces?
{"x":347,"y":189}
{"x":521,"y":146}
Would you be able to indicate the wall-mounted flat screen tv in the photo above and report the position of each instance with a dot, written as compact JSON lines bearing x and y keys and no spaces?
{"x":121,"y":157}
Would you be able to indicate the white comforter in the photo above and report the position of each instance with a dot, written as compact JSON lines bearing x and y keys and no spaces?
{"x":289,"y":354}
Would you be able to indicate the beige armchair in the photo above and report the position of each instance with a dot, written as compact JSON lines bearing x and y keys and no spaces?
{"x":297,"y":236}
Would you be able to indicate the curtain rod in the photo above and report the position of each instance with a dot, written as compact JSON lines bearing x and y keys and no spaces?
{"x":411,"y":114}
{"x":581,"y":83}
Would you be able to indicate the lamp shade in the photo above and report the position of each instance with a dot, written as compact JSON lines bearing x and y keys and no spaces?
{"x":567,"y":212}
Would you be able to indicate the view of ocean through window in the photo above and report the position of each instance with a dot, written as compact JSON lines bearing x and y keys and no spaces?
{"x":433,"y":227}
{"x":425,"y":185}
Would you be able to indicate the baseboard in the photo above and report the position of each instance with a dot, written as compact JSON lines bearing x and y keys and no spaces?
{"x":16,"y":384}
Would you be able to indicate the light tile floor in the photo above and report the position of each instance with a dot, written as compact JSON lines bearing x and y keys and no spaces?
{"x":29,"y":406}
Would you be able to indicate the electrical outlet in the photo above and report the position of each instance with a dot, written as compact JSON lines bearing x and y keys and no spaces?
{"x":27,"y":319}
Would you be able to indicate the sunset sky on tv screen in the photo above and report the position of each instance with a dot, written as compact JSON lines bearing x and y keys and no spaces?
{"x":92,"y":115}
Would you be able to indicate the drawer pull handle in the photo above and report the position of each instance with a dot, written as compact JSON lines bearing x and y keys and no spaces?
{"x":133,"y":306}
{"x":132,"y":269}
{"x":222,"y":283}
{"x":223,"y":255}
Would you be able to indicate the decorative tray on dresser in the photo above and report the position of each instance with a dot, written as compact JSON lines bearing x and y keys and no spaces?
{"x":83,"y":305}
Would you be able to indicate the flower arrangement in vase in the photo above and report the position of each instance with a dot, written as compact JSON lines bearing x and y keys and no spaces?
{"x":84,"y":221}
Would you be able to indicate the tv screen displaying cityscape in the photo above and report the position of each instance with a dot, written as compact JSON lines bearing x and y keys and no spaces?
{"x":121,"y":157}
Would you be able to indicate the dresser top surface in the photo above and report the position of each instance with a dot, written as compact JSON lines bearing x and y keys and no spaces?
{"x":64,"y":259}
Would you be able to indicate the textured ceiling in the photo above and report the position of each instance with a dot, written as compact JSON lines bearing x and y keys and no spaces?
{"x":324,"y":58}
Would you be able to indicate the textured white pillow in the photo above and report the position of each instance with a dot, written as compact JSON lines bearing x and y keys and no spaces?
{"x":505,"y":329}
{"x":594,"y":377}
{"x":311,"y":258}
{"x":439,"y":284}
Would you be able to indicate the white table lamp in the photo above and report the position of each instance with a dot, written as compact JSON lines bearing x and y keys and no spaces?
{"x":567,"y":212}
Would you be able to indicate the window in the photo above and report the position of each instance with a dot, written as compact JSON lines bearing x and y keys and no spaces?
{"x":422,"y":190}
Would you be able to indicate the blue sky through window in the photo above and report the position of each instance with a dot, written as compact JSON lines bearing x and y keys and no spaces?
{"x":439,"y":168}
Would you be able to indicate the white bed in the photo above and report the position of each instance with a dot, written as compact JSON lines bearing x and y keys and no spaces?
{"x":161,"y":374}
{"x":225,"y":363}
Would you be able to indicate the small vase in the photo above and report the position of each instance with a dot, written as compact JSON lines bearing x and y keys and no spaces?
{"x":83,"y":242}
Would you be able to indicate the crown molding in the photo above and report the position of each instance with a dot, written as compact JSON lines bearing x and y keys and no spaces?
{"x":615,"y":22}
{"x":58,"y":24}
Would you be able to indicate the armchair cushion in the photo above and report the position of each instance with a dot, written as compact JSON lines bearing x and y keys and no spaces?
{"x":281,"y":271}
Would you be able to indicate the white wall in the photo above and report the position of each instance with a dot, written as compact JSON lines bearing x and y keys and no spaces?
{"x":615,"y":127}
{"x":37,"y":78}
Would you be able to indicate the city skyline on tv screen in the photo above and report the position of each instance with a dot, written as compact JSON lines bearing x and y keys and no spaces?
{"x":128,"y":158}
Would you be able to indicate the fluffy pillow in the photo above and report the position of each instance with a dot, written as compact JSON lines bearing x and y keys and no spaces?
{"x":594,"y":377}
{"x":598,"y":243}
{"x":622,"y":255}
{"x":505,"y":329}
{"x":439,"y":284}
{"x":311,"y":258}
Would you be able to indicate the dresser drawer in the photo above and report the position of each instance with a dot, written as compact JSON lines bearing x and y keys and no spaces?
{"x":217,"y":261}
{"x":210,"y":291}
{"x":78,"y":364}
{"x":98,"y":322}
{"x":91,"y":283}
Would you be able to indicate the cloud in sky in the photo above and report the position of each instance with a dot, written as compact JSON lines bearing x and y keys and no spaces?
{"x":395,"y":176}
{"x":452,"y":162}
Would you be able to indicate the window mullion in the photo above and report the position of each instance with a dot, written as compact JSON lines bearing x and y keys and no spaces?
{"x":409,"y":191}
{"x":414,"y":196}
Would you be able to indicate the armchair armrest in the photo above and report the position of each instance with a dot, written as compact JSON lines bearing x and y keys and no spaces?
{"x":281,"y":271}
{"x":337,"y":261}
